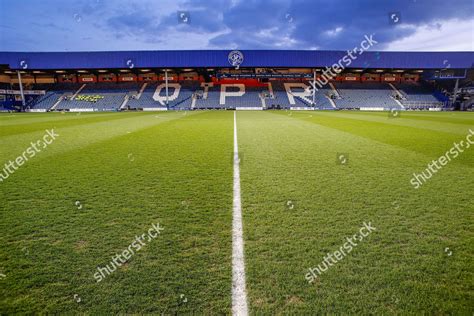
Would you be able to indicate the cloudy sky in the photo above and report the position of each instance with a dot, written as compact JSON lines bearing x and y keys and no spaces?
{"x":98,"y":25}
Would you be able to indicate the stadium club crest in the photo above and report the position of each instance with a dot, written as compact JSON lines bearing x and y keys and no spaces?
{"x":236,"y":58}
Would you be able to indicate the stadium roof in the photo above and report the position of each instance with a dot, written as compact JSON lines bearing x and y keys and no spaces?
{"x":219,"y":59}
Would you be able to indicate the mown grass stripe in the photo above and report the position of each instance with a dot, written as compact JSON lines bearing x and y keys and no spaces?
{"x":293,"y":161}
{"x":429,"y":143}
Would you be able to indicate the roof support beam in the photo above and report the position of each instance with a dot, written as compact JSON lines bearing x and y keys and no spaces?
{"x":166,"y":85}
{"x":21,"y":90}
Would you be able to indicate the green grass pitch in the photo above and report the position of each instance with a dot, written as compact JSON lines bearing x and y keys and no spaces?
{"x":109,"y":176}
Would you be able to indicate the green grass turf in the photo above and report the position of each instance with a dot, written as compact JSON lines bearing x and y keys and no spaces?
{"x":402,"y":267}
{"x":129,"y":170}
{"x":178,"y":174}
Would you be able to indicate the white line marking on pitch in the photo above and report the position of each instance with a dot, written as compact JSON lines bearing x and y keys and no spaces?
{"x":239,"y":293}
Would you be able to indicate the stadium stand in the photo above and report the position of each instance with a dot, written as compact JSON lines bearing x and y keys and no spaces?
{"x":189,"y":94}
{"x":145,"y":99}
{"x":210,"y":98}
{"x":179,"y":96}
{"x":97,"y":96}
{"x":46,"y":101}
{"x":250,"y":98}
{"x":283,"y":96}
{"x":419,"y":96}
{"x":365,"y":95}
{"x":280,"y":96}
{"x":54,"y":94}
{"x":184,"y":100}
{"x":105,"y":101}
{"x":377,"y":80}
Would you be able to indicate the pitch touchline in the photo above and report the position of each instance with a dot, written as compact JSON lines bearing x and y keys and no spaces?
{"x":239,"y":293}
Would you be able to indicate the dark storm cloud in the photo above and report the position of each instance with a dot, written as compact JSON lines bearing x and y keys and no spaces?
{"x":314,"y":23}
{"x":137,"y":22}
{"x":244,"y":24}
{"x":201,"y":21}
{"x":313,"y":19}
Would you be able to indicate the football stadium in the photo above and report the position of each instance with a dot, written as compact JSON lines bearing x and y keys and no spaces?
{"x":236,"y":181}
{"x":237,"y":80}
